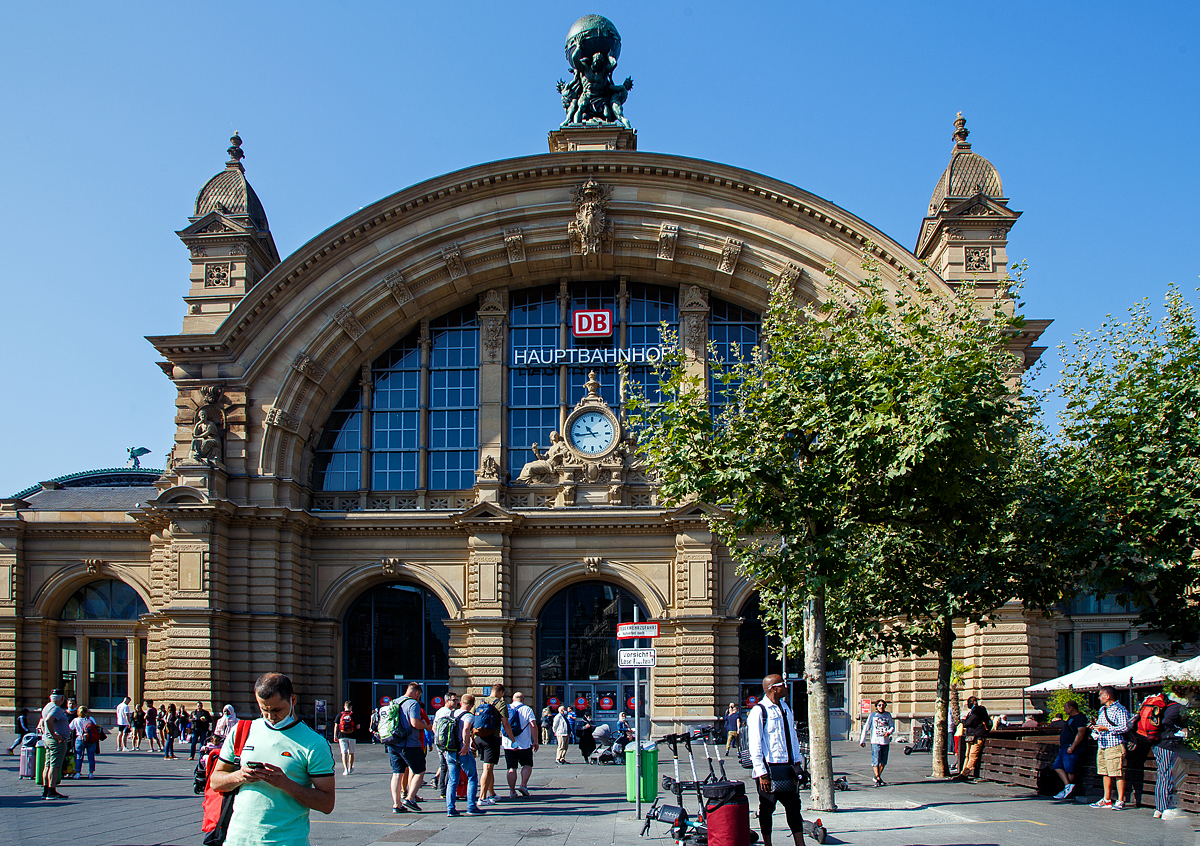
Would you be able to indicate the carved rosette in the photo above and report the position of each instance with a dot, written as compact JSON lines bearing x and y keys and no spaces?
{"x":283,"y":419}
{"x":978,"y":259}
{"x":730,"y":252}
{"x":394,"y":282}
{"x":345,"y":318}
{"x":304,"y":365}
{"x":455,"y":266}
{"x":668,"y":236}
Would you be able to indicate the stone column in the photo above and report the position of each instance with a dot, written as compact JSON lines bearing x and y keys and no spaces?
{"x":132,"y":659}
{"x":493,"y":340}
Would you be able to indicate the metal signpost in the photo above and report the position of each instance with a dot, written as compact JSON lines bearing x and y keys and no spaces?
{"x":637,"y":658}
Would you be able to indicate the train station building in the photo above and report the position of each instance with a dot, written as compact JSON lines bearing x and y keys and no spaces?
{"x":400,"y":452}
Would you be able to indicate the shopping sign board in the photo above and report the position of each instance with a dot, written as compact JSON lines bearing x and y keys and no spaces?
{"x":625,"y":631}
{"x":637,"y":658}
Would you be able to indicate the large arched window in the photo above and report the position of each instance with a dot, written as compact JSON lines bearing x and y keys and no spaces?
{"x":104,"y":600}
{"x":422,"y":415}
{"x":98,"y":622}
{"x":734,"y":331}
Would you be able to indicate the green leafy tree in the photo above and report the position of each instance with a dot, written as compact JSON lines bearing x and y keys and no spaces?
{"x":1131,"y":443}
{"x":849,"y":437}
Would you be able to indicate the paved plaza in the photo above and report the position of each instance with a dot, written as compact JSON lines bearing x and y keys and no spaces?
{"x":142,"y":800}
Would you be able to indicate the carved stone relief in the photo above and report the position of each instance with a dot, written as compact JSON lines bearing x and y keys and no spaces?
{"x":730,"y":252}
{"x":514,"y":240}
{"x":492,"y":331}
{"x":216,"y":275}
{"x":305,"y":365}
{"x":668,"y":236}
{"x":93,"y":565}
{"x":978,"y":259}
{"x":208,"y":427}
{"x":391,"y":566}
{"x":283,"y":419}
{"x":452,"y":256}
{"x":345,"y":318}
{"x":394,"y":282}
{"x":591,"y":231}
{"x":790,"y":275}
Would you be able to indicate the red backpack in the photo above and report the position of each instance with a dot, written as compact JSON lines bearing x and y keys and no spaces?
{"x":346,"y":723}
{"x":1150,"y":716}
{"x":218,"y":807}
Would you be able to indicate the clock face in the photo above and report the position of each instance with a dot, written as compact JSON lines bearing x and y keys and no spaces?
{"x":592,"y":433}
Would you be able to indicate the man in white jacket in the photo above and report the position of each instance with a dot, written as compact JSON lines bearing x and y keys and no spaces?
{"x":878,"y":728}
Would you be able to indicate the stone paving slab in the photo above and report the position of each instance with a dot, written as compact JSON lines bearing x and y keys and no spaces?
{"x":142,"y":800}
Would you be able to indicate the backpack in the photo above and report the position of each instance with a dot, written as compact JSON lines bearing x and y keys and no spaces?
{"x":445,"y":730}
{"x":218,"y":807}
{"x":394,"y":727}
{"x":487,"y":719}
{"x":744,"y":738}
{"x":1150,"y":717}
{"x":93,"y":733}
{"x":514,"y":721}
{"x":346,"y":723}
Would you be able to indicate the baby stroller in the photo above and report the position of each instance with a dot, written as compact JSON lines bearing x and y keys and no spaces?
{"x":611,"y":750}
{"x":922,"y":738}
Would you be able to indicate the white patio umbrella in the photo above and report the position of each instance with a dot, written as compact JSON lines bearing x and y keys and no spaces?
{"x":1088,"y":678}
{"x":1148,"y":671}
{"x":1187,"y":669}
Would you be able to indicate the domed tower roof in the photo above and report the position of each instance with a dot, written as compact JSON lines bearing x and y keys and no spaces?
{"x":230,"y":194}
{"x":967,"y":174}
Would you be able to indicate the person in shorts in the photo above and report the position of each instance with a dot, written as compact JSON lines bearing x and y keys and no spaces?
{"x":125,"y":725}
{"x":1074,"y":730}
{"x":518,"y":751}
{"x":879,"y":729}
{"x":409,"y":759}
{"x":446,"y":712}
{"x":56,"y":737}
{"x":1109,"y":731}
{"x":488,"y":745}
{"x":345,"y":727}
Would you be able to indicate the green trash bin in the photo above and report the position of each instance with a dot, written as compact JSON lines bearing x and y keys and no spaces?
{"x":649,"y":774}
{"x":39,"y":761}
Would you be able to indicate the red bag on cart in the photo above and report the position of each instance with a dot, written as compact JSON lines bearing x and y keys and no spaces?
{"x":727,"y":813}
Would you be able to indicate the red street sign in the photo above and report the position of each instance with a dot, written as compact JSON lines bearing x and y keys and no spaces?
{"x":864,"y":706}
{"x":607,"y":703}
{"x":386,"y":700}
{"x":751,"y":700}
{"x":592,"y":324}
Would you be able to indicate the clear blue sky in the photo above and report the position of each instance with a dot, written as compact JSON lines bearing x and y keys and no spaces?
{"x":116,"y":114}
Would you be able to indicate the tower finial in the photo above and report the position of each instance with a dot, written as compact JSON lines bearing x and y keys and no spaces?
{"x":961,"y":132}
{"x":235,"y":150}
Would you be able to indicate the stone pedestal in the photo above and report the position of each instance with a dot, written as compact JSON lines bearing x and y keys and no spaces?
{"x":603,"y":137}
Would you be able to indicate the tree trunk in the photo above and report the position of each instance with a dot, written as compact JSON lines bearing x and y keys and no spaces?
{"x":820,"y":757}
{"x":941,"y":711}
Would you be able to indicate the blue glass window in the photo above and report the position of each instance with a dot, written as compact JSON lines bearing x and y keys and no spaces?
{"x":649,"y":307}
{"x":395,"y":419}
{"x":339,"y":451}
{"x":733,"y":330}
{"x":532,"y":391}
{"x":110,"y":599}
{"x":454,"y":401}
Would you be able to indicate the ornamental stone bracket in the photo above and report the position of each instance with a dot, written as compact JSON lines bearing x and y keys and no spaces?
{"x":731,"y":250}
{"x":282,"y":419}
{"x":514,"y":244}
{"x":668,"y":238}
{"x":304,"y":365}
{"x":92,"y":565}
{"x":591,"y":564}
{"x":350,"y":324}
{"x":455,"y":266}
{"x":394,"y":283}
{"x":390,"y":567}
{"x":493,"y":311}
{"x":693,"y":314}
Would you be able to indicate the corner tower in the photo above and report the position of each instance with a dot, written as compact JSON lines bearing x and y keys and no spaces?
{"x":230,"y":244}
{"x":965,"y":235}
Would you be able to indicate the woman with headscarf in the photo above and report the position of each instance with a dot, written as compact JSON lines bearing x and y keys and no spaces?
{"x":226,"y":723}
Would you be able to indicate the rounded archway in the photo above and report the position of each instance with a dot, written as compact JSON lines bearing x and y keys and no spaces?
{"x":101,"y":650}
{"x":395,"y":634}
{"x":577,"y":650}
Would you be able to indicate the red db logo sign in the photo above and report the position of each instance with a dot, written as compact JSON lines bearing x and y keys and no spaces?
{"x":592,"y":324}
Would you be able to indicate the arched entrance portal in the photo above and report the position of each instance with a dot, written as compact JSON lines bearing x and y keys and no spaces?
{"x":395,"y":634}
{"x":577,"y":651}
{"x":758,"y":656}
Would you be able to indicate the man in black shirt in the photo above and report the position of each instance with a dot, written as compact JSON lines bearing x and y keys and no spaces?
{"x":1074,"y":730}
{"x":201,"y":720}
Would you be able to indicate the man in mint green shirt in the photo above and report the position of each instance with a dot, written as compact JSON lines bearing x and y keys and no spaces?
{"x":285,"y":770}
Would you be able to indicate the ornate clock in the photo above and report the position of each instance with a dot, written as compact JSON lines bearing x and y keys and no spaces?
{"x":592,"y":430}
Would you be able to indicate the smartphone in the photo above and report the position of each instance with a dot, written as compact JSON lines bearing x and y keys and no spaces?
{"x":253,"y":765}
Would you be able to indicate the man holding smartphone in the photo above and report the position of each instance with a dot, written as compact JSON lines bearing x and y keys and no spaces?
{"x":285,"y":770}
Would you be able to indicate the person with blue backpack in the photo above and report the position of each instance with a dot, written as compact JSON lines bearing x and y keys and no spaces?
{"x":491,"y":721}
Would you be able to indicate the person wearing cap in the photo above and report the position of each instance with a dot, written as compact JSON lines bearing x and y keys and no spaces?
{"x":56,"y":735}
